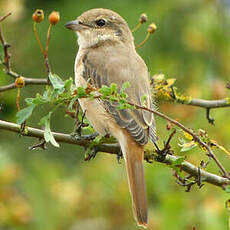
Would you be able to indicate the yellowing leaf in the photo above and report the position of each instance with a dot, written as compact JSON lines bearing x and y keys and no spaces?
{"x":187,"y":146}
{"x":214,"y":143}
{"x":158,"y":77}
{"x":171,"y":81}
{"x":188,"y":136}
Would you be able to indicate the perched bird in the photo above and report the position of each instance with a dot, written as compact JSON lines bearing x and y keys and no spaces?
{"x":107,"y":55}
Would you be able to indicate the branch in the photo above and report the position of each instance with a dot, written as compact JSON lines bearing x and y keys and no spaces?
{"x":28,"y":81}
{"x":59,"y":137}
{"x":189,"y":131}
{"x":5,"y":16}
{"x":6,"y":46}
{"x":209,"y":104}
{"x":115,"y":149}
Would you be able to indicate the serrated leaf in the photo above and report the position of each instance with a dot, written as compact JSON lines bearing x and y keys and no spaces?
{"x":25,"y":113}
{"x":56,"y":81}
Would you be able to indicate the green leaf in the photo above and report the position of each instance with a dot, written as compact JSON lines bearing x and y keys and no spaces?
{"x":68,"y":84}
{"x":123,"y":95}
{"x":72,"y":102}
{"x":48,"y":134}
{"x":124,"y":86}
{"x":36,"y":101}
{"x":113,"y":88}
{"x":81,"y":92}
{"x":227,"y":188}
{"x":56,"y":81}
{"x":25,"y":113}
{"x":113,"y":98}
{"x":143,"y":100}
{"x":105,"y":90}
{"x":178,"y":161}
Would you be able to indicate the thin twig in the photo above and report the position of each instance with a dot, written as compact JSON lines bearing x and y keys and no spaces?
{"x":28,"y":81}
{"x":37,"y":38}
{"x":142,"y":43}
{"x":46,"y":51}
{"x":48,"y":39}
{"x":5,"y":16}
{"x":6,"y":46}
{"x":18,"y":99}
{"x":210,"y":119}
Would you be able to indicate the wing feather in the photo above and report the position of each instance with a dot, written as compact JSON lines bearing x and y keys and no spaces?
{"x":100,"y":71}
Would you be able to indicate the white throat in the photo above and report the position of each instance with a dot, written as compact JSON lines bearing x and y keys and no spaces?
{"x":87,"y":39}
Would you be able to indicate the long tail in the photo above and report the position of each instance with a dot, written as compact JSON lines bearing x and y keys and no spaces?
{"x":134,"y":154}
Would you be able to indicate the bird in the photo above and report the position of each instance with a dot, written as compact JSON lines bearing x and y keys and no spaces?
{"x":107,"y":55}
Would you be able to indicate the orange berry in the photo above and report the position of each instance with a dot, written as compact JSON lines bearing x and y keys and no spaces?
{"x":152,"y":28}
{"x":19,"y":82}
{"x":54,"y":18}
{"x":38,"y":16}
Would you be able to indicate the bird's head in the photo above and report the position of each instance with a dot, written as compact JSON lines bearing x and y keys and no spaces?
{"x":97,"y":26}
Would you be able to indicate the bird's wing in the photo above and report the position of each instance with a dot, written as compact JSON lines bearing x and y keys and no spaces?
{"x":119,"y":66}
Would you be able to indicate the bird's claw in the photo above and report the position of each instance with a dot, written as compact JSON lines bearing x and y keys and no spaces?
{"x":88,"y":137}
{"x":119,"y":156}
{"x":91,"y":153}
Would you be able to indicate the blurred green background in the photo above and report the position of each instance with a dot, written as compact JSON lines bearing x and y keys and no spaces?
{"x":55,"y":189}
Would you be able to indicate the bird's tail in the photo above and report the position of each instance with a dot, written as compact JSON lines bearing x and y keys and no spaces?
{"x":134,"y":154}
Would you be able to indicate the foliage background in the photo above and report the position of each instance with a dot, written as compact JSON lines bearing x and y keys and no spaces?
{"x":56,"y":189}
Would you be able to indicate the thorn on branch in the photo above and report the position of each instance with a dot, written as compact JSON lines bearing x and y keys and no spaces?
{"x":167,"y":148}
{"x":6,"y":46}
{"x":210,"y":120}
{"x":204,"y":164}
{"x":5,"y":16}
{"x":41,"y":145}
{"x":80,"y":124}
{"x":186,"y":182}
{"x":91,"y":153}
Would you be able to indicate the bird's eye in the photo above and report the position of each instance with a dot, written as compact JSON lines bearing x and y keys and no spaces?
{"x":100,"y":22}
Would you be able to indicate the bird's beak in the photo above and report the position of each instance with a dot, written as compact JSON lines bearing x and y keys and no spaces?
{"x":74,"y":25}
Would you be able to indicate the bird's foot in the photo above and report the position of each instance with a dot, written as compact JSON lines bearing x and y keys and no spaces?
{"x":88,"y":137}
{"x":91,"y":153}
